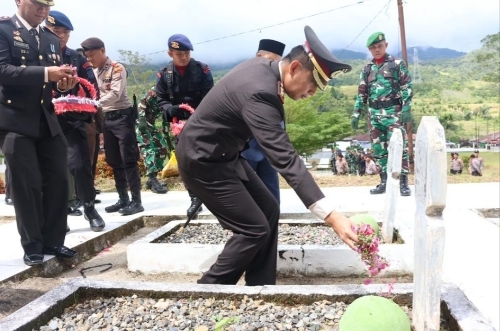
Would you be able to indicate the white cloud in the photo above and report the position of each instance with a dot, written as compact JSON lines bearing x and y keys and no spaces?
{"x":144,"y":26}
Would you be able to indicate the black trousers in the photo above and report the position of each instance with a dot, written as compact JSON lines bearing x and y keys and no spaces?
{"x":249,"y":210}
{"x":122,"y":152}
{"x":7,"y":181}
{"x":38,"y":181}
{"x":79,"y":164}
{"x":94,"y":145}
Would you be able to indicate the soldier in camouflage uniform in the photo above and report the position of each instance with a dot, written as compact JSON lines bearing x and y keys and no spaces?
{"x":352,"y":160}
{"x":151,"y":141}
{"x":385,"y":84}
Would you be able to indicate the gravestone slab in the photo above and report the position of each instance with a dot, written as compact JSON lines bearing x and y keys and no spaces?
{"x":430,"y":195}
{"x":392,"y":187}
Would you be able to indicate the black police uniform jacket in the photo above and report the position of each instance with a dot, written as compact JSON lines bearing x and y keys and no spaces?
{"x":246,"y":102}
{"x":172,"y":88}
{"x":24,"y":96}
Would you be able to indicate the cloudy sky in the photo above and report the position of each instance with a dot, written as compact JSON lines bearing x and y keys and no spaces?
{"x":145,"y":25}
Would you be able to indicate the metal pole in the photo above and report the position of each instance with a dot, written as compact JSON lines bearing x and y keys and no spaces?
{"x":409,"y":126}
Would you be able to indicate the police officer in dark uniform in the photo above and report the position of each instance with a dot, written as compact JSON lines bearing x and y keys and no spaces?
{"x":183,"y":81}
{"x":120,"y":143}
{"x":73,"y":124}
{"x":272,"y":50}
{"x":246,"y":102}
{"x":30,"y":136}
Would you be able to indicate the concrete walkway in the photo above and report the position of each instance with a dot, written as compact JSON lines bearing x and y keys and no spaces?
{"x":472,"y":243}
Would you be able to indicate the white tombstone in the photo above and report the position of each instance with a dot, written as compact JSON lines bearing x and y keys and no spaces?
{"x":430,"y":195}
{"x":392,"y":187}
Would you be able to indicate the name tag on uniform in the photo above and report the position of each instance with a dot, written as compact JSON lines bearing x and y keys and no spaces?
{"x":22,"y":45}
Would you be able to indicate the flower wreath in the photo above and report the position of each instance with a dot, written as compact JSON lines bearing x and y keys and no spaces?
{"x":176,"y":126}
{"x":78,"y":103}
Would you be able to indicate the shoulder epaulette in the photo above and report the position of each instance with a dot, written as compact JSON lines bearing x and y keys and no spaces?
{"x":204,"y":67}
{"x":4,"y":18}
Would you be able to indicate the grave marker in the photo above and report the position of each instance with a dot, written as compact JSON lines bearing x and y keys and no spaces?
{"x":392,"y":187}
{"x":430,"y":195}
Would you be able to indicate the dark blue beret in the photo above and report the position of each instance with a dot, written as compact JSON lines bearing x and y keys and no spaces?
{"x":58,"y":19}
{"x":180,"y":42}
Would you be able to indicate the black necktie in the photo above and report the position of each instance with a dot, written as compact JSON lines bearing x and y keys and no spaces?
{"x":34,"y":33}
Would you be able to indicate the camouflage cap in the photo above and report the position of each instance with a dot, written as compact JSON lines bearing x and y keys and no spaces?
{"x":375,"y":38}
{"x":46,"y":2}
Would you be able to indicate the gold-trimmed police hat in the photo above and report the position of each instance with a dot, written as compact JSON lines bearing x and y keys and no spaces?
{"x":46,"y":2}
{"x":326,"y":65}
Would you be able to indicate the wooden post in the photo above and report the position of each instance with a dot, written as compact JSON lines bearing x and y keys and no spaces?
{"x":392,"y":187}
{"x":430,"y":195}
{"x":404,"y":54}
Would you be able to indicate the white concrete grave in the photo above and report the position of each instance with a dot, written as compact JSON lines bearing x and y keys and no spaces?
{"x":150,"y":257}
{"x":392,"y":186}
{"x":430,"y":195}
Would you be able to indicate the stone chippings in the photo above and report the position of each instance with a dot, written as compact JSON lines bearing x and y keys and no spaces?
{"x":134,"y":313}
{"x":214,"y":234}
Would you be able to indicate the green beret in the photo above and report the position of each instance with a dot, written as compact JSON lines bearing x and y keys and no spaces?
{"x":375,"y":38}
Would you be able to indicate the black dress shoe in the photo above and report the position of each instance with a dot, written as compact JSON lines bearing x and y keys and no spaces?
{"x":33,"y":259}
{"x":97,"y":191}
{"x":97,"y":201}
{"x":61,"y":251}
{"x":72,"y":211}
{"x":8,"y":201}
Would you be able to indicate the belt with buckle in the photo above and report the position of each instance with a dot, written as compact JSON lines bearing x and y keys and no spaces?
{"x":114,"y":114}
{"x":384,"y":104}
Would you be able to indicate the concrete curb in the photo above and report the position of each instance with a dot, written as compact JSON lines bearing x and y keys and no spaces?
{"x":456,"y":308}
{"x":148,"y":257}
{"x":53,"y":266}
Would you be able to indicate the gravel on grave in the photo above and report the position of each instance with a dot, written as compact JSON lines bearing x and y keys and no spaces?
{"x":214,"y":234}
{"x":133,"y":313}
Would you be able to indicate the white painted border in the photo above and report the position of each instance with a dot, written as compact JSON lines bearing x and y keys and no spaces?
{"x":312,"y":260}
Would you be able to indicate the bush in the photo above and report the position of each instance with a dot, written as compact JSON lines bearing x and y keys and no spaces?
{"x":103,"y":170}
{"x":465,"y":160}
{"x":2,"y":186}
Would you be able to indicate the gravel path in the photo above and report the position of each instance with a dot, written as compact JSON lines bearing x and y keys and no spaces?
{"x":133,"y":313}
{"x":214,"y":234}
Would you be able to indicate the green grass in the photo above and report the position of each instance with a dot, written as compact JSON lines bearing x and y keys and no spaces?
{"x":491,"y":172}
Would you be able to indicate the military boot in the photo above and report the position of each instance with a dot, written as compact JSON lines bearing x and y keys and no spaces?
{"x":123,"y":201}
{"x":380,"y":187}
{"x":192,"y":209}
{"x":154,"y":185}
{"x":134,"y":207}
{"x":404,"y":189}
{"x":93,"y":217}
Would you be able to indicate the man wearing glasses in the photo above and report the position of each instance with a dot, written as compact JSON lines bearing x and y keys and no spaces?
{"x":184,"y":81}
{"x":246,"y":102}
{"x":385,"y":84}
